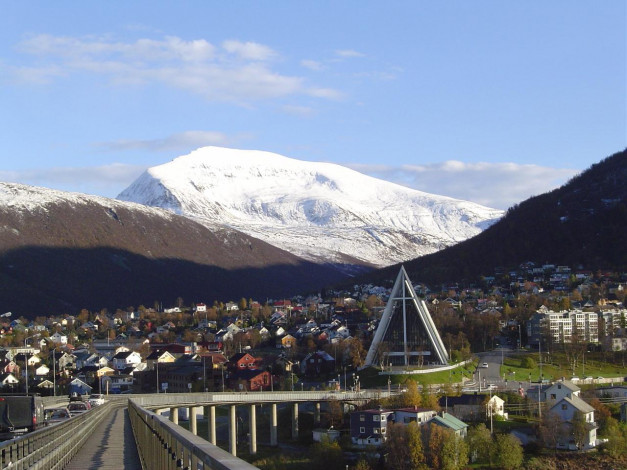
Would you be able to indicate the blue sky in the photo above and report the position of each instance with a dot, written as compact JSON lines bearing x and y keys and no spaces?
{"x":488,"y":101}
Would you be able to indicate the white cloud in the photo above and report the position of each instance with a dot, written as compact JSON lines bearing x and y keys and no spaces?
{"x":234,"y":72}
{"x":312,"y":65}
{"x":183,"y":141}
{"x":106,"y":180}
{"x":347,"y":53}
{"x":249,"y":50}
{"x":498,"y":185}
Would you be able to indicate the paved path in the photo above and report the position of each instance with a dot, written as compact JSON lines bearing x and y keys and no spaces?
{"x":111,"y":446}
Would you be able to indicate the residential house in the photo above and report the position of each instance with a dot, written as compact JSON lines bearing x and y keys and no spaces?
{"x":419,"y":415}
{"x":619,"y":391}
{"x":59,"y":339}
{"x":125,"y":359}
{"x":468,"y":407}
{"x":567,"y":409}
{"x":159,"y":356}
{"x":449,"y":421}
{"x":317,"y":363}
{"x":8,"y":380}
{"x":42,"y":370}
{"x":78,"y":387}
{"x":243,"y":361}
{"x":250,"y":380}
{"x":369,"y":427}
{"x":288,"y":341}
{"x":563,"y":388}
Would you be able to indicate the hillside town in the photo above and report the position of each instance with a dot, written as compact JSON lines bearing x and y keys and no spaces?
{"x":321,"y":342}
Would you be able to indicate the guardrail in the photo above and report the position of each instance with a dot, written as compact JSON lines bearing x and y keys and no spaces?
{"x":52,"y":447}
{"x":165,"y":445}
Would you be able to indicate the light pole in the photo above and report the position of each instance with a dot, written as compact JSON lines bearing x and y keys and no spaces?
{"x":26,"y":356}
{"x":54,"y":373}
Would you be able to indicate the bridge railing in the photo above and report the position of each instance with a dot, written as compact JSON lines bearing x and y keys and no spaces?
{"x":51,"y":447}
{"x":165,"y":445}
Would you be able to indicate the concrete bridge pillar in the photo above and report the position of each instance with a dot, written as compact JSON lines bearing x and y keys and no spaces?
{"x":317,"y":413}
{"x":193,"y":424}
{"x":211,"y":424}
{"x":232,"y":430}
{"x":174,"y":415}
{"x":295,"y":420}
{"x":274,"y":441}
{"x":252,"y":426}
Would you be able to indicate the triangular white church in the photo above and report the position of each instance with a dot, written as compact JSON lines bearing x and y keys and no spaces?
{"x":406,"y":334}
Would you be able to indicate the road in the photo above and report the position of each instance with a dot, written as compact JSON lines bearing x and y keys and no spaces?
{"x":485,"y":377}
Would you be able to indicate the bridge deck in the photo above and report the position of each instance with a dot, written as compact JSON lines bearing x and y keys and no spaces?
{"x":111,"y":446}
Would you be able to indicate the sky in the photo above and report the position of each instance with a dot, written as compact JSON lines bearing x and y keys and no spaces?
{"x":487,"y":101}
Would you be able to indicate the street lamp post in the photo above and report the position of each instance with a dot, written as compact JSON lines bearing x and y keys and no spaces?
{"x":26,"y":356}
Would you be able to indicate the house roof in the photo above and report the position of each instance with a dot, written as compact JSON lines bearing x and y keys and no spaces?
{"x":466,"y":399}
{"x":449,"y":421}
{"x":577,"y":403}
{"x":123,"y":354}
{"x":565,"y":383}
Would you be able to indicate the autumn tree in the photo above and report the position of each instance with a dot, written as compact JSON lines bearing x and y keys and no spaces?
{"x":356,"y":351}
{"x":480,"y":444}
{"x":414,"y":446}
{"x":411,"y":397}
{"x":454,"y":454}
{"x":436,"y":435}
{"x":397,"y":450}
{"x":508,"y":453}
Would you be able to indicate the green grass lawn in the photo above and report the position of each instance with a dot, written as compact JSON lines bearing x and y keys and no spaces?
{"x":370,"y":377}
{"x":555,"y":366}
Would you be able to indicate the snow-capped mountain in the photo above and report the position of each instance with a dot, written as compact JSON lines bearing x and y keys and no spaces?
{"x":318,"y":211}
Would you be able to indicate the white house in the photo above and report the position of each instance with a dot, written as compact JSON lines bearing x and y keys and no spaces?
{"x":567,"y":409}
{"x":559,"y":390}
{"x":58,"y":338}
{"x":125,"y":359}
{"x":42,"y":370}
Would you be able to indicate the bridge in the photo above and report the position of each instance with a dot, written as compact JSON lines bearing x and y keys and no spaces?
{"x":142,"y":431}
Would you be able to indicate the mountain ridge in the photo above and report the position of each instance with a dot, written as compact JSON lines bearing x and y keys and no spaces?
{"x":60,"y":252}
{"x":582,"y":223}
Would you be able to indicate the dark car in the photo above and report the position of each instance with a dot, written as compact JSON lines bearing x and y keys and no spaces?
{"x":78,"y":407}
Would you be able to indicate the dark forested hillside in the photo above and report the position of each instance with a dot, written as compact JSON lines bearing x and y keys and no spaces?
{"x":60,"y":252}
{"x":583,"y":223}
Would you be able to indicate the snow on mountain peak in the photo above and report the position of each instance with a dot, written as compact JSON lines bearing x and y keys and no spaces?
{"x":320,"y":211}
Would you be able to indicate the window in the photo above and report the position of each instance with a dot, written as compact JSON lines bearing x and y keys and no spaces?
{"x":376,"y":418}
{"x":362,"y":430}
{"x":362,"y":417}
{"x":383,"y":430}
{"x":376,"y":431}
{"x":382,"y":417}
{"x":553,"y":396}
{"x":564,"y":407}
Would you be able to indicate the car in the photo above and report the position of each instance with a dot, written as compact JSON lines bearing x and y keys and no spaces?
{"x":484,"y":365}
{"x":56,"y":415}
{"x":78,"y":407}
{"x":96,"y":399}
{"x":491,"y":387}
